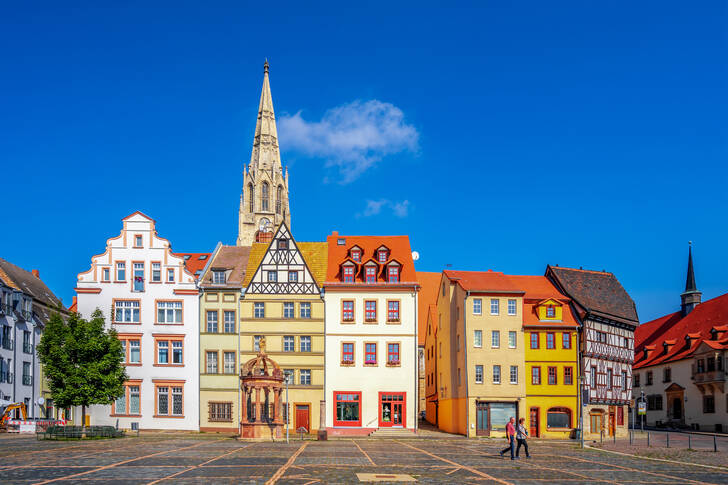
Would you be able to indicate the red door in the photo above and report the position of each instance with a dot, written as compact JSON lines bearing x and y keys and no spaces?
{"x":392,"y":409}
{"x":302,"y":414}
{"x":533,"y":431}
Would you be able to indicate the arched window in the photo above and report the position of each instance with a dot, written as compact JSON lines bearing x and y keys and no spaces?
{"x":279,"y":196}
{"x":558,"y":418}
{"x":264,"y":197}
{"x":251,"y":198}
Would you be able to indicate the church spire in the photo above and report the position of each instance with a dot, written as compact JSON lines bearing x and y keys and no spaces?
{"x":691,"y":297}
{"x":266,"y":155}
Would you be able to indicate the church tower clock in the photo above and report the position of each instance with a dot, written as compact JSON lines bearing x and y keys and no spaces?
{"x":264,"y":198}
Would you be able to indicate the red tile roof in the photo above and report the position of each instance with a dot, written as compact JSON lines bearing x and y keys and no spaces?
{"x":658,"y":334}
{"x":196,"y":262}
{"x":539,"y":288}
{"x":484,"y":281}
{"x":399,"y":250}
{"x":429,"y":283}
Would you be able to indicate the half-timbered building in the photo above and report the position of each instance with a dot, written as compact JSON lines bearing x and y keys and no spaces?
{"x":282,"y":302}
{"x":607,"y":318}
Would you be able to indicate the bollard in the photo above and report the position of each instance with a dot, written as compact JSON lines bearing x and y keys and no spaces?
{"x":631,"y":437}
{"x":648,"y":439}
{"x":715,"y":444}
{"x":615,"y":436}
{"x":690,"y":447}
{"x":601,"y":438}
{"x":667,"y":436}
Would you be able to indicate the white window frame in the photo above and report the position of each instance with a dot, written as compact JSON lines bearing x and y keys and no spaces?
{"x":512,"y":339}
{"x":514,"y":372}
{"x":512,"y":306}
{"x":497,"y":374}
{"x":494,"y":306}
{"x":495,"y":339}
{"x":477,"y":306}
{"x":218,"y":277}
{"x":478,"y":339}
{"x":478,"y":374}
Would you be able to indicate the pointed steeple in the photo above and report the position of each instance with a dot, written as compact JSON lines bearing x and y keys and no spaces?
{"x":691,"y":297}
{"x":266,"y":155}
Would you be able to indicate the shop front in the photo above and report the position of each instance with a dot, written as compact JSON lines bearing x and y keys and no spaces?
{"x":392,"y":409}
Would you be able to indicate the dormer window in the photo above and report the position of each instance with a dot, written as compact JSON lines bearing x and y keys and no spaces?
{"x":218,"y":277}
{"x":550,"y":311}
{"x":371,"y":274}
{"x":393,"y":273}
{"x":382,"y":255}
{"x":347,"y":273}
{"x":283,"y":244}
{"x":356,"y":254}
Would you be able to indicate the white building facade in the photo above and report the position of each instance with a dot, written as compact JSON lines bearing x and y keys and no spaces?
{"x":147,"y":295}
{"x":370,"y":298}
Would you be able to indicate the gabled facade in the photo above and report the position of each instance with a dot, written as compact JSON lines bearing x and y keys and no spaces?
{"x":371,"y":335}
{"x":427,"y":297}
{"x":221,"y":285}
{"x":431,"y":370}
{"x":149,"y":297}
{"x":264,"y":199}
{"x":607,"y":318}
{"x":26,"y":304}
{"x":282,"y":303}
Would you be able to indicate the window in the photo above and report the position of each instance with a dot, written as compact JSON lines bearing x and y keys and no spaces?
{"x":138,"y":277}
{"x":534,"y":340}
{"x":649,"y":378}
{"x":494,"y":306}
{"x":137,"y":240}
{"x":496,"y":374}
{"x":293,"y":276}
{"x":212,"y":321}
{"x":272,"y":276}
{"x":393,"y":311}
{"x":135,"y":352}
{"x":370,"y":353}
{"x":229,"y":321}
{"x":282,"y":243}
{"x":218,"y":277}
{"x":156,"y":272}
{"x":550,"y":340}
{"x":393,"y":354}
{"x":169,"y":400}
{"x":256,"y":342}
{"x":371,"y":274}
{"x":478,"y":374}
{"x":220,"y":412}
{"x":347,"y":353}
{"x":512,"y":339}
{"x":393,"y":273}
{"x":162,"y":352}
{"x":566,"y":340}
{"x":169,"y":312}
{"x":105,"y":274}
{"x":568,"y":376}
{"x":535,"y":375}
{"x":120,"y":271}
{"x":610,"y":378}
{"x":289,"y":376}
{"x":348,"y":273}
{"x":654,"y":402}
{"x":701,"y":366}
{"x":177,"y":352}
{"x":264,"y":197}
{"x":305,"y":377}
{"x":666,"y":374}
{"x":289,"y":310}
{"x":477,"y":306}
{"x":279,"y":196}
{"x":558,"y":418}
{"x":382,"y":255}
{"x":495,"y":339}
{"x":289,"y":343}
{"x":27,"y":380}
{"x":460,"y":378}
{"x":305,"y":344}
{"x":347,"y":409}
{"x":229,"y":362}
{"x":347,"y":311}
{"x":478,"y":338}
{"x":370,"y":311}
{"x":170,"y":275}
{"x":356,"y":255}
{"x":458,"y":342}
{"x":129,"y":403}
{"x":512,"y":306}
{"x":126,"y":311}
{"x":636,"y":378}
{"x":550,"y":311}
{"x":27,"y":347}
{"x":259,"y":310}
{"x":514,"y":374}
{"x":305,"y":310}
{"x":553,"y":380}
{"x":620,"y":416}
{"x":211,"y":362}
{"x":593,"y":377}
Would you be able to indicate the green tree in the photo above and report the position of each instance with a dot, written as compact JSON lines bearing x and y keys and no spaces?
{"x":82,"y":361}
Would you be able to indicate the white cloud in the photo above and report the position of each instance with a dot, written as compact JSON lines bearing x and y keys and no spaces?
{"x":374,"y":207}
{"x":352,"y":137}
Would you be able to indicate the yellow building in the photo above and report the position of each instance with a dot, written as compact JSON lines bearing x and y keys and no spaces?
{"x":282,"y":302}
{"x":220,"y":291}
{"x":551,"y":355}
{"x":480,"y":358}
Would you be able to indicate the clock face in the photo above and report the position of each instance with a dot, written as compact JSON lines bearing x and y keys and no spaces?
{"x":264,"y":224}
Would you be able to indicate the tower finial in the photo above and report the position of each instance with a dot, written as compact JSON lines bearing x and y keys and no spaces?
{"x":691,"y":297}
{"x":265,"y":66}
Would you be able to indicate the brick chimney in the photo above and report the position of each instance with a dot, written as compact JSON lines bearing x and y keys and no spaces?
{"x":36,"y":273}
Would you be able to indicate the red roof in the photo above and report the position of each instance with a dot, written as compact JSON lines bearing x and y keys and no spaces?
{"x":429,"y":283}
{"x":399,"y":251}
{"x":195,"y":262}
{"x":539,"y":288}
{"x":674,"y":328}
{"x":484,"y":281}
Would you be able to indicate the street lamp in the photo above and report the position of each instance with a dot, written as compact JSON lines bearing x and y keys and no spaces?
{"x":287,"y":407}
{"x":642,"y":399}
{"x":581,"y":409}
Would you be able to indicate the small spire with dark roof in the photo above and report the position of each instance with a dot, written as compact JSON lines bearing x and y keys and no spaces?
{"x":690,"y":281}
{"x":691,"y":297}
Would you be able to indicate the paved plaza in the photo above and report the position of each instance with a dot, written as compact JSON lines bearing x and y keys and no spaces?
{"x":188,"y":459}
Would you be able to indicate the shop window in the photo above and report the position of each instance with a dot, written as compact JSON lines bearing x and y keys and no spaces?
{"x":220,"y":412}
{"x":558,"y":418}
{"x":348,"y":409}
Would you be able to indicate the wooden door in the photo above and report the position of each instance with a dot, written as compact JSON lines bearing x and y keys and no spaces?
{"x":483,"y":424}
{"x":611,"y":424}
{"x":534,"y":425}
{"x":302,"y":417}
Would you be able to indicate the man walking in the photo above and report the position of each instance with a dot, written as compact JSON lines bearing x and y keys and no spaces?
{"x":511,"y":437}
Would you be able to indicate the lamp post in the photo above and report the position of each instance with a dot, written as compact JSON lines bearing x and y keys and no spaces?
{"x":581,"y":409}
{"x":288,"y":408}
{"x":642,"y":399}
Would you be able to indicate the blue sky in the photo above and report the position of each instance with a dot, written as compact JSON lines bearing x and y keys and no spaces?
{"x":497,"y":135}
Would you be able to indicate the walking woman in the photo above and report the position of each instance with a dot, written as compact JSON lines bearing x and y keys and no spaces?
{"x":521,"y":436}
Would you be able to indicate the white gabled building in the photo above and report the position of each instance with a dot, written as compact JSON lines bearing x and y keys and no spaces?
{"x":370,"y":296}
{"x":150,"y":298}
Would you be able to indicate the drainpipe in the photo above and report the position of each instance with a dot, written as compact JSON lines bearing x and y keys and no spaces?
{"x":417,"y":369}
{"x":34,"y":374}
{"x":15,"y":359}
{"x":465,"y":351}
